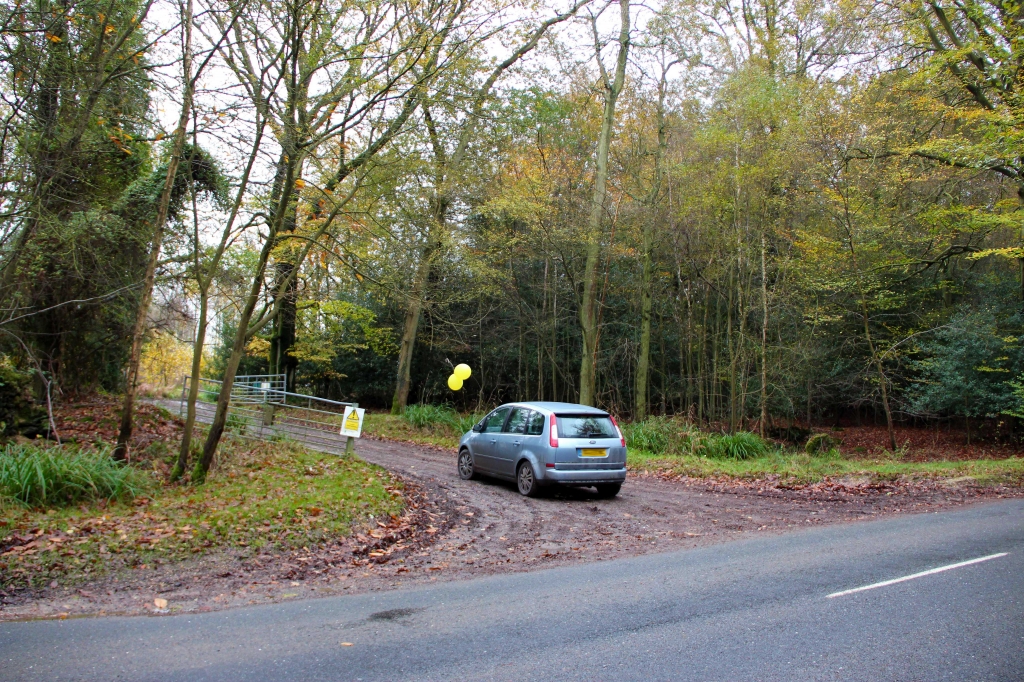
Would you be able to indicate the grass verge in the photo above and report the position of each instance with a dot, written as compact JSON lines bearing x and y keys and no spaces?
{"x":442,"y":432}
{"x":676,"y":446}
{"x":261,"y":496}
{"x":802,"y":468}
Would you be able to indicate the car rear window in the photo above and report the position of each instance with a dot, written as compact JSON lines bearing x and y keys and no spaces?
{"x":585,"y":426}
{"x":536,"y":425}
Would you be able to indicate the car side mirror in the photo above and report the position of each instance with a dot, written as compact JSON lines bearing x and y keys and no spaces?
{"x":478,"y":427}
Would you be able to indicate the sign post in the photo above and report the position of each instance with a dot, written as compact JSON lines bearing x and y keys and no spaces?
{"x":352,"y":426}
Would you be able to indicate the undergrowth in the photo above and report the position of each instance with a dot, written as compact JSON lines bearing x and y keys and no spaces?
{"x":677,"y":446}
{"x":59,"y":476}
{"x":440,"y":417}
{"x":678,"y":437}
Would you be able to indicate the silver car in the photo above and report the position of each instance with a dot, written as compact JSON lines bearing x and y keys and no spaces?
{"x":537,"y":444}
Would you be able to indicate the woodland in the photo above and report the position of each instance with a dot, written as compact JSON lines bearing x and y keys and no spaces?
{"x":752,"y":214}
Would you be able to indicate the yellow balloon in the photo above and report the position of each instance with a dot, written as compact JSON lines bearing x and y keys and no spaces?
{"x":454,"y":382}
{"x":463,"y":371}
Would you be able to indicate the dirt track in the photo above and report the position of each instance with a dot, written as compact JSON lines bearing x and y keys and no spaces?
{"x":499,"y":530}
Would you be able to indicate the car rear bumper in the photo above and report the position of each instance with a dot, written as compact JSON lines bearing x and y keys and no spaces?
{"x":585,"y":476}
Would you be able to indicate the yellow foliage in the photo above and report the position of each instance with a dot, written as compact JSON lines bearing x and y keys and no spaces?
{"x":258,"y":348}
{"x":165,"y":360}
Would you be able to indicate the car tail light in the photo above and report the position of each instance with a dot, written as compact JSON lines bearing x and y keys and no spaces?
{"x":553,"y":432}
{"x":622,"y":438}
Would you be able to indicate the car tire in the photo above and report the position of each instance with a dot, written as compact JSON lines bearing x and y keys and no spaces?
{"x":526,"y":481}
{"x":465,"y":464}
{"x":608,"y":490}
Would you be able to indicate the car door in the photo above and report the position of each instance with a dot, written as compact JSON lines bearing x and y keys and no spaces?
{"x":510,"y":441}
{"x":485,"y":444}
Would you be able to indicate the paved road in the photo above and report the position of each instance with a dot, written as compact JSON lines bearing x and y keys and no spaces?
{"x":751,"y":609}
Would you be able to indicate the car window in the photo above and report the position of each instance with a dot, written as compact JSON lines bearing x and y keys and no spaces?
{"x":495,"y":420}
{"x":535,"y":425}
{"x":517,"y":421}
{"x":585,"y":426}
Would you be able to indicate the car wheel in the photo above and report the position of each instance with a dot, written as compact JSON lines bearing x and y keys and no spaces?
{"x":608,"y":490}
{"x":526,"y":482}
{"x":466,"y":471}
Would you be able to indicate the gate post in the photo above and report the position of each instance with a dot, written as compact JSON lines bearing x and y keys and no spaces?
{"x":350,"y":444}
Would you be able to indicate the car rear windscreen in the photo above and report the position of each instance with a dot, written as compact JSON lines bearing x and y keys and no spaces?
{"x":585,"y":426}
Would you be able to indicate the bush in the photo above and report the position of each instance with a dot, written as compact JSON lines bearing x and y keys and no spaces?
{"x":794,"y":435}
{"x":819,"y":443}
{"x":662,"y":435}
{"x":651,"y":434}
{"x":63,"y":476}
{"x":18,"y":412}
{"x":439,"y":417}
{"x":739,"y":445}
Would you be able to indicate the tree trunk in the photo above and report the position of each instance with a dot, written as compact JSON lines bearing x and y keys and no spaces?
{"x":588,"y":307}
{"x":181,"y":466}
{"x":877,"y":361}
{"x":646,"y":277}
{"x":764,"y":337}
{"x":283,"y":337}
{"x":643,"y":363}
{"x":415,"y":306}
{"x":138,"y":332}
{"x":237,"y":350}
{"x":733,"y":347}
{"x":542,"y":321}
{"x":554,"y":335}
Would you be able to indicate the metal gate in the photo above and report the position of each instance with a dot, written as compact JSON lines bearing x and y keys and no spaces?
{"x":261,"y":408}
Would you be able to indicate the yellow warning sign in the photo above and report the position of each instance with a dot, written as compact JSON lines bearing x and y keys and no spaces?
{"x":352,"y":422}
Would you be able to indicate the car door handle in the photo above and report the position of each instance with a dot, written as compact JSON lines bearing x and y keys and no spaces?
{"x":494,"y":440}
{"x":516,"y":442}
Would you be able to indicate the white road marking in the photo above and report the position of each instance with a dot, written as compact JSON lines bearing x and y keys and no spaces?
{"x":940,"y":569}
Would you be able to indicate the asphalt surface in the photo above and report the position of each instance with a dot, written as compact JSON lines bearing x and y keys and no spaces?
{"x":752,"y":609}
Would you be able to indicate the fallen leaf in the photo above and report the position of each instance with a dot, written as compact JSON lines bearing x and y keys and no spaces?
{"x":160,"y":603}
{"x":346,"y":643}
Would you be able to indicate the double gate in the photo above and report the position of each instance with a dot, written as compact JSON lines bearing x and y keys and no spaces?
{"x":261,"y":408}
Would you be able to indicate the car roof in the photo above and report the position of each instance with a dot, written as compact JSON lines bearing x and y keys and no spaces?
{"x":571,"y":408}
